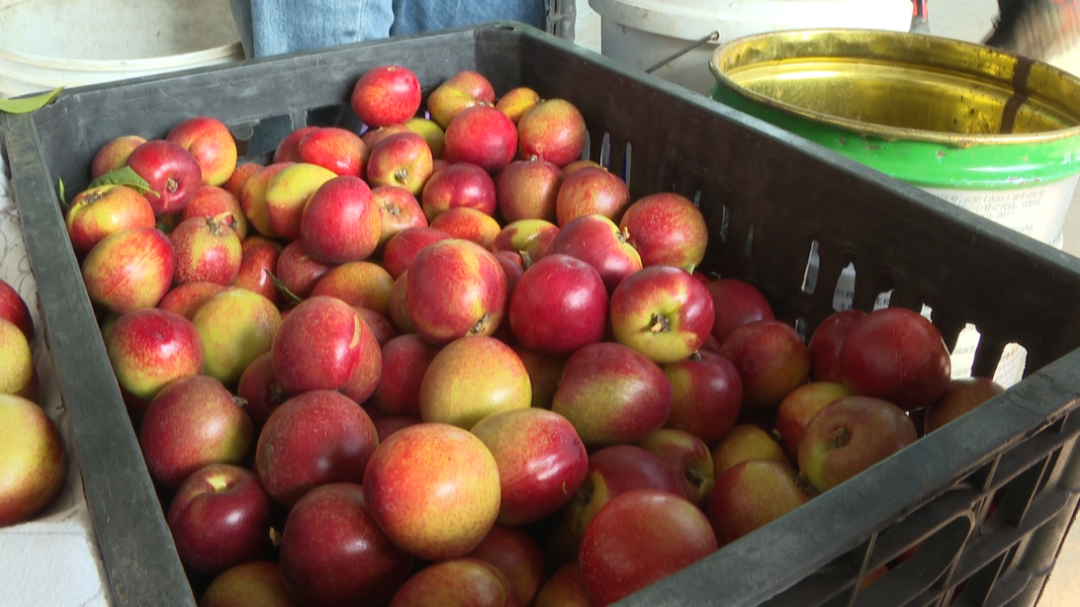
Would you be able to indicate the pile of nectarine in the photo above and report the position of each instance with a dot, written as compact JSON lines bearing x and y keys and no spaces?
{"x":446,"y":360}
{"x":33,"y":459}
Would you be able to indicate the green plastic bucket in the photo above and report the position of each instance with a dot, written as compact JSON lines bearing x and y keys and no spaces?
{"x":992,"y":132}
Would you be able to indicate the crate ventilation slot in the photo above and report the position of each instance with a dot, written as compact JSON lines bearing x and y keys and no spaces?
{"x":927,"y":312}
{"x":810,"y":274}
{"x":883,"y":299}
{"x":626,"y":164}
{"x":844,"y":294}
{"x":800,"y":328}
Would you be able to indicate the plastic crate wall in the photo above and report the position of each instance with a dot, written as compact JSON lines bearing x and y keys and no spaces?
{"x":769,"y":198}
{"x":991,"y":539}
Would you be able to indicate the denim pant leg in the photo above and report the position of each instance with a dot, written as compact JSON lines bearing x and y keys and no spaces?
{"x":418,"y":16}
{"x":275,"y":27}
{"x":241,"y":12}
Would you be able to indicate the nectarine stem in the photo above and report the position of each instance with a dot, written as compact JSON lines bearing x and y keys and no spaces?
{"x":839,"y":438}
{"x":277,"y":395}
{"x":218,"y":482}
{"x":227,"y":218}
{"x":804,"y":485}
{"x":479,"y":326}
{"x":659,"y":323}
{"x":585,"y":492}
{"x":694,"y":477}
{"x":215,"y":223}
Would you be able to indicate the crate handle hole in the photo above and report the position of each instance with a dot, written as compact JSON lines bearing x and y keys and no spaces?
{"x":326,"y":115}
{"x":265,"y":137}
{"x":926,"y":565}
{"x":605,"y":151}
{"x":241,"y":134}
{"x":725,"y":221}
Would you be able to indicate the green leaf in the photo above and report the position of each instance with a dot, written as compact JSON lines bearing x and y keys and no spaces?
{"x":63,"y":197}
{"x":29,"y":104}
{"x":123,"y":176}
{"x":281,"y":287}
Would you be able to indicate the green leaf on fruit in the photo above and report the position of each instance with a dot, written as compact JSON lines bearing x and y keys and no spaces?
{"x":123,"y":176}
{"x":29,"y":104}
{"x":281,"y":287}
{"x":63,"y":196}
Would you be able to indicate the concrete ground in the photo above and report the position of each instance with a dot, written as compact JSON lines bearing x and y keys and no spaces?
{"x":971,"y":21}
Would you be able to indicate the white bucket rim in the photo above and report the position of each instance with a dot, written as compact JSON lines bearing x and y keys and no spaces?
{"x":59,"y":64}
{"x":730,"y":18}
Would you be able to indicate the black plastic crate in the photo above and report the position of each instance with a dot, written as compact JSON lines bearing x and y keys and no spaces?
{"x":768,"y":197}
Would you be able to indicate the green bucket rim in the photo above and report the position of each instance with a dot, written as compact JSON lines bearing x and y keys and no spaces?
{"x":920,"y":157}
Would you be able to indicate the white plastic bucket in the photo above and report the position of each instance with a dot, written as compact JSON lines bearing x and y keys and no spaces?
{"x":641,"y":33}
{"x":45,"y":44}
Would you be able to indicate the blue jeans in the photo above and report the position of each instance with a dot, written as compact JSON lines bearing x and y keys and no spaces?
{"x":419,"y":16}
{"x":275,"y":27}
